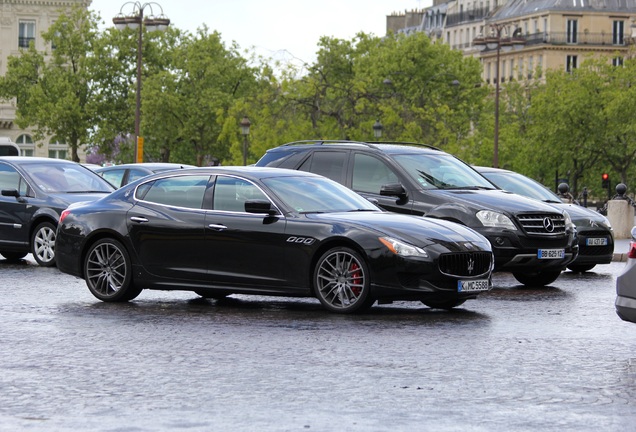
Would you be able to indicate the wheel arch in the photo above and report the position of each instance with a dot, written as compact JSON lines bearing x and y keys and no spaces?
{"x":330,"y":244}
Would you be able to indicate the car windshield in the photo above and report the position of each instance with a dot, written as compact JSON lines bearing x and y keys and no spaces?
{"x":66,"y":178}
{"x":522,"y":185}
{"x":317,"y":195}
{"x":441,"y":171}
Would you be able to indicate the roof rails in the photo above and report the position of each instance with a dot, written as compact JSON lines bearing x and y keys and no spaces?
{"x":371,"y":144}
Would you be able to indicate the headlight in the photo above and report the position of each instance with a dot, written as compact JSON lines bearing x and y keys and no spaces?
{"x":495,"y":219}
{"x":402,"y":249}
{"x":568,"y":220}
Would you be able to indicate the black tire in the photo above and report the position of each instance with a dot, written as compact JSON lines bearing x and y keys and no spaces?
{"x":443,"y":304}
{"x":13,"y":256}
{"x":342,"y":281}
{"x":108,"y":272}
{"x":580,"y":268}
{"x":43,"y":244}
{"x":537,"y":279}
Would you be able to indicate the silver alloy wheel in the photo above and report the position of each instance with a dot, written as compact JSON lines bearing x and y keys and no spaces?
{"x":106,"y":269}
{"x":44,"y":244}
{"x":340,"y":279}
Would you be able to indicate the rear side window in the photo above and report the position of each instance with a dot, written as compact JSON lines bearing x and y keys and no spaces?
{"x":114,"y":177}
{"x":329,"y":164}
{"x":184,"y":191}
{"x":370,"y":174}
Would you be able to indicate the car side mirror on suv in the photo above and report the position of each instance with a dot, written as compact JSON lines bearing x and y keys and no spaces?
{"x":393,"y":189}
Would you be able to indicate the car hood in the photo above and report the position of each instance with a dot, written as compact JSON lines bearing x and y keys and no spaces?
{"x":417,"y":230}
{"x":497,"y":200}
{"x":583,"y":216}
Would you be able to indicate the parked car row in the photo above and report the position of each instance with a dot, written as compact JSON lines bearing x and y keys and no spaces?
{"x":298,"y":224}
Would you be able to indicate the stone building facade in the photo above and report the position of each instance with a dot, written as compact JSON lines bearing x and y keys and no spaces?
{"x":532,"y":35}
{"x":22,"y":22}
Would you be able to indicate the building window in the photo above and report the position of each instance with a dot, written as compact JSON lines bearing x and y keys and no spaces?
{"x":571,"y":63}
{"x":57,"y":150}
{"x":25,"y":142}
{"x":617,"y":32}
{"x":617,"y":61}
{"x":512,"y":69}
{"x":572,"y":31}
{"x":26,"y":33}
{"x":530,"y":67}
{"x":540,"y":66}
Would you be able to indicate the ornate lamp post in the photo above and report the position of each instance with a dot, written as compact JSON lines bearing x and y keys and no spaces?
{"x":377,"y":129}
{"x":495,"y":42}
{"x":245,"y":131}
{"x":136,"y":21}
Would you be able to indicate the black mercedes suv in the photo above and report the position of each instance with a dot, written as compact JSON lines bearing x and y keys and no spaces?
{"x":532,"y":240}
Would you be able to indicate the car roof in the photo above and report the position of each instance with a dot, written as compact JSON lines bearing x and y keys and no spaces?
{"x":246,"y":171}
{"x":383,"y":146}
{"x":149,"y":165}
{"x":24,"y":160}
{"x":491,"y":169}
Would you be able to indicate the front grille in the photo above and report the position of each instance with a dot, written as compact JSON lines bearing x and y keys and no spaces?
{"x":465,"y":263}
{"x":542,"y":223}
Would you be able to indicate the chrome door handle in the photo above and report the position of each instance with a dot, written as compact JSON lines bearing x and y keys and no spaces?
{"x":217,"y":227}
{"x":138,"y":219}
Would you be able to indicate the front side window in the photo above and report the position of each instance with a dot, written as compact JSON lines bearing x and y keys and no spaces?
{"x":231,"y":193}
{"x":26,"y":33}
{"x":11,"y":179}
{"x":114,"y":177}
{"x":370,"y":174}
{"x":329,"y":164}
{"x":179,"y":191}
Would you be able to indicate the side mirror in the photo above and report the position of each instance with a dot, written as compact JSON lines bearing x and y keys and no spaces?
{"x":11,"y":192}
{"x":393,"y":189}
{"x":260,"y":206}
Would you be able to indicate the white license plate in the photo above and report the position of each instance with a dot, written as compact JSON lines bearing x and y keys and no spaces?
{"x":596,"y":241}
{"x":551,"y":253}
{"x":473,"y":285}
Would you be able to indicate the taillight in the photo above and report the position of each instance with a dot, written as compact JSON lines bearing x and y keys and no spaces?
{"x":64,"y":214}
{"x":632,"y":250}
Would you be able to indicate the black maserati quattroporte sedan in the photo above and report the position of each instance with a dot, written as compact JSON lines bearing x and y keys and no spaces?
{"x":219,"y":231}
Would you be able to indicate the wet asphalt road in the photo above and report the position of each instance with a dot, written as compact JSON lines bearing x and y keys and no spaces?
{"x":516,"y":359}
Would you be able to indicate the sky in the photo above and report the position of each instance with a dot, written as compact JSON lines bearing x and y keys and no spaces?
{"x":281,"y":29}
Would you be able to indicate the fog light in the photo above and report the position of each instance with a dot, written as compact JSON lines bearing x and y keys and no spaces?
{"x":500,"y":241}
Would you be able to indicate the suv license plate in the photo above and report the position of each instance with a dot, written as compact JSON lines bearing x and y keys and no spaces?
{"x":473,"y":285}
{"x":596,"y":241}
{"x":551,"y":253}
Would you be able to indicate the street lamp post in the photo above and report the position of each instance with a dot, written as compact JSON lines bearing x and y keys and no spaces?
{"x":377,"y":129}
{"x":245,"y":131}
{"x":496,"y":42}
{"x":136,"y":21}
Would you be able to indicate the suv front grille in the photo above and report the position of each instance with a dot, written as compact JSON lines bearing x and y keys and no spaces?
{"x":465,"y":263}
{"x":542,"y":223}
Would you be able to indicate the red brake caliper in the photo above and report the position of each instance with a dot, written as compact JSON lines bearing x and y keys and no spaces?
{"x":356,"y":274}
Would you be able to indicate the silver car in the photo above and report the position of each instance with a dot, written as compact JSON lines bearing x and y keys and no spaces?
{"x":626,"y":285}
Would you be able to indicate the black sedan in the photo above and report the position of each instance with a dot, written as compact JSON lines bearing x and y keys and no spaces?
{"x":246,"y":230}
{"x":595,"y":235}
{"x":120,"y":175}
{"x":34,"y":193}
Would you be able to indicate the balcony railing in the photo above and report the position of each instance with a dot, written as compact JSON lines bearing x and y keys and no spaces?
{"x":23,"y":42}
{"x":563,"y":38}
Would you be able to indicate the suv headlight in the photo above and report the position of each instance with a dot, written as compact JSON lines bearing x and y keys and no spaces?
{"x":402,"y":249}
{"x":568,"y":220}
{"x":495,"y":219}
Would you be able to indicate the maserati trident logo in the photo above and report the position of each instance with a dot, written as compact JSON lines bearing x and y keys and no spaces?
{"x":471,"y":265}
{"x":548,"y":224}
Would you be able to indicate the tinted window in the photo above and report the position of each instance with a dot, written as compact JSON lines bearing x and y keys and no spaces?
{"x":11,"y":179}
{"x":316,"y":195}
{"x":135,"y":174}
{"x":115,"y":176}
{"x":230,"y":193}
{"x":184,"y":191}
{"x":370,"y":173}
{"x":326,"y":163}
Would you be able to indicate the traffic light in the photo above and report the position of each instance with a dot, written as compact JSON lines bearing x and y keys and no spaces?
{"x":606,"y":180}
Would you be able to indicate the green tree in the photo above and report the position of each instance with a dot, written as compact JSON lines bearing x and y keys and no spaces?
{"x":54,"y":92}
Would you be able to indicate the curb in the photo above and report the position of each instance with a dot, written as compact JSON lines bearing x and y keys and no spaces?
{"x":619,"y":257}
